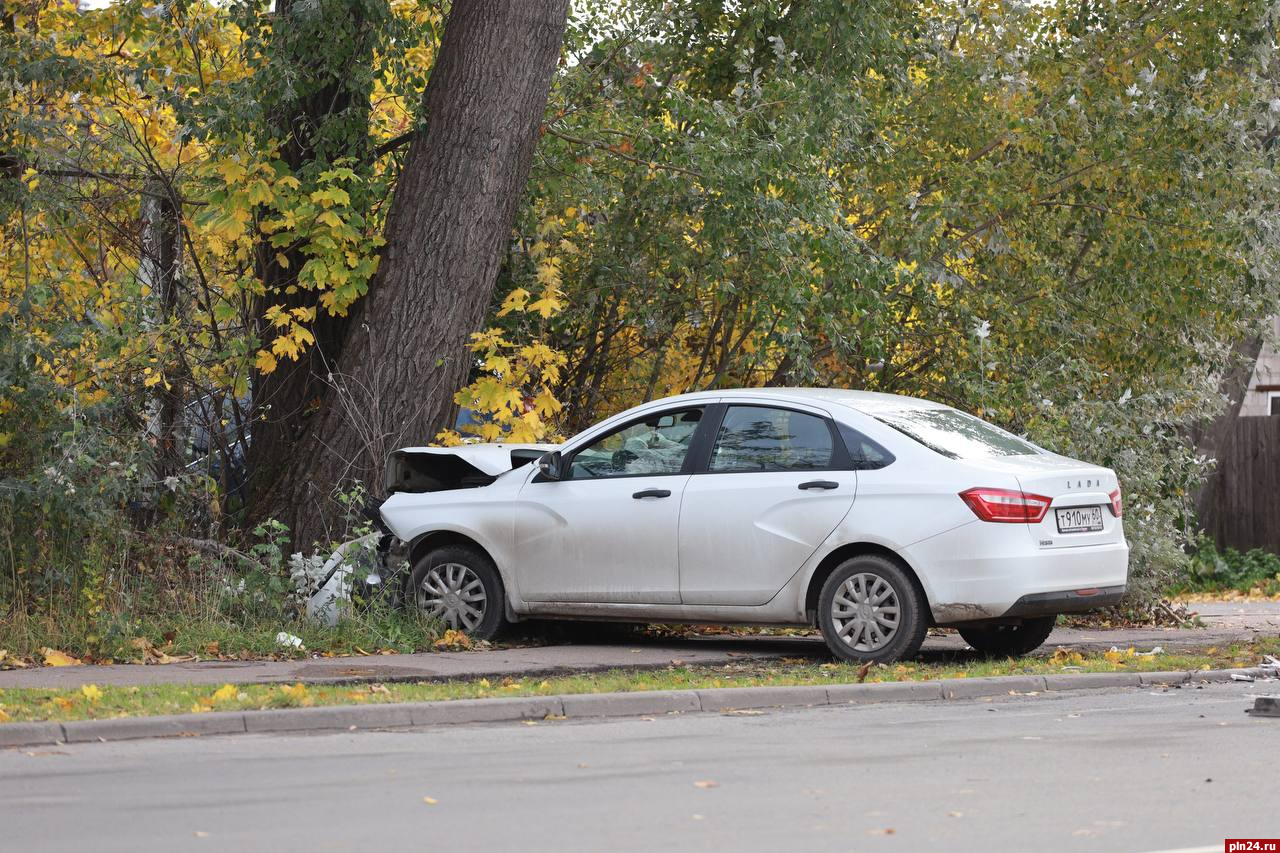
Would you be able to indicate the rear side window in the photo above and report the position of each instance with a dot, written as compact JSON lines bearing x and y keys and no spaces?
{"x":864,"y":454}
{"x":956,"y":434}
{"x":757,"y":438}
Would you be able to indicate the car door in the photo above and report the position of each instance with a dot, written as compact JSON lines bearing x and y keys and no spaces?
{"x":606,"y":532}
{"x":776,"y":483}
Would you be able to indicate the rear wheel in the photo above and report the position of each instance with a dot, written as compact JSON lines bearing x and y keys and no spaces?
{"x":460,"y":586}
{"x":870,"y":610}
{"x":1010,"y":641}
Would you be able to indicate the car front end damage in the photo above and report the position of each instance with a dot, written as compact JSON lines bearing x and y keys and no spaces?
{"x":362,"y":569}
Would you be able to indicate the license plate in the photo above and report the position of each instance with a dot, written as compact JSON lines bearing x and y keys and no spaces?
{"x":1079,"y":519}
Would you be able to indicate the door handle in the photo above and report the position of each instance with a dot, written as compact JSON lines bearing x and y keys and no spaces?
{"x":652,"y":493}
{"x":819,"y":484}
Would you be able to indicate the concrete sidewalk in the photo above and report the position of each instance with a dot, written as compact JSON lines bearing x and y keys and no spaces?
{"x":1227,"y":623}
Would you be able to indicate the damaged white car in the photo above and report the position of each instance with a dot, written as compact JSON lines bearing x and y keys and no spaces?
{"x":870,"y":516}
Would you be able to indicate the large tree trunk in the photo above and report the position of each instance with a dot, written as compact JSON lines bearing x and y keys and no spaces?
{"x":406,"y":354}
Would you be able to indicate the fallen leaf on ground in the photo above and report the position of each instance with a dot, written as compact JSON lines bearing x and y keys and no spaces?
{"x":453,"y":639}
{"x":53,"y":657}
{"x":297,"y":692}
{"x":3,"y":716}
{"x":225,"y":693}
{"x":706,"y":783}
{"x":431,"y":801}
{"x":888,"y":830}
{"x":91,"y":692}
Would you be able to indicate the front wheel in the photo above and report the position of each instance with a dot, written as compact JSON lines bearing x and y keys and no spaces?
{"x":871,"y":611}
{"x":460,"y":586}
{"x":1010,"y":641}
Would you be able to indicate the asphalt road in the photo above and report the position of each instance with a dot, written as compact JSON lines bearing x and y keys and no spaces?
{"x":1131,"y":770}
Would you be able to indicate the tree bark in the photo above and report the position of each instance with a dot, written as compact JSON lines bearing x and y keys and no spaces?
{"x":406,"y":354}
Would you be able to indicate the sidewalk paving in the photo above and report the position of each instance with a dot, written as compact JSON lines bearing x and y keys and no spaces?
{"x":1227,"y":622}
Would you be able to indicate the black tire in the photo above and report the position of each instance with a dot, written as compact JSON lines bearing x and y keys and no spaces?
{"x":1009,"y":641}
{"x":439,"y":566}
{"x":872,"y":572}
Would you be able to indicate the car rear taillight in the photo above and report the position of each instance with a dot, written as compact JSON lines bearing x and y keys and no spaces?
{"x":1117,"y":505}
{"x":1006,"y":505}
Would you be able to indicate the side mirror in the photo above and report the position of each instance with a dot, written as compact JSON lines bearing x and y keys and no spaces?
{"x":549,"y":465}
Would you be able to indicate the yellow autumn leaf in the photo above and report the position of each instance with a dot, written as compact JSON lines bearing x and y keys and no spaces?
{"x":297,"y":692}
{"x":546,"y":306}
{"x":515,"y":301}
{"x":91,"y":692}
{"x":264,"y":362}
{"x":53,"y":657}
{"x":3,"y":715}
{"x":453,"y":639}
{"x":549,"y":273}
{"x":225,"y":693}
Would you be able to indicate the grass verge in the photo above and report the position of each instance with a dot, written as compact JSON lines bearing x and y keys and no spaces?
{"x":92,"y":702}
{"x":28,"y":640}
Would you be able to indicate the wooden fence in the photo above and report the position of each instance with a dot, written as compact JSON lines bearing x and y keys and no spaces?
{"x":1240,"y":505}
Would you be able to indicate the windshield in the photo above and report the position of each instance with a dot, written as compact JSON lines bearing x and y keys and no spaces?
{"x":955,"y":434}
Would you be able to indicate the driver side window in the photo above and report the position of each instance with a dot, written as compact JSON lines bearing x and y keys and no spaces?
{"x":655,"y":445}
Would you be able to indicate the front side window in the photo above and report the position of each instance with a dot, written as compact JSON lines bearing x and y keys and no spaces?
{"x":656,"y":445}
{"x":756,"y":438}
{"x":956,"y":434}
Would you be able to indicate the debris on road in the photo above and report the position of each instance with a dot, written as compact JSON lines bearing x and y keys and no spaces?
{"x":1265,"y":706}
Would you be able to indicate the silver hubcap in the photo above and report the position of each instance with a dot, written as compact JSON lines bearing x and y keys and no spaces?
{"x":865,"y":612}
{"x":454,"y":594}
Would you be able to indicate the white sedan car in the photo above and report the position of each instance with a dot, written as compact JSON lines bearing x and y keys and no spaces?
{"x":871,"y":516}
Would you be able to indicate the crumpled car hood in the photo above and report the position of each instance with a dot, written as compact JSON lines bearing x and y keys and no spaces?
{"x":438,"y":468}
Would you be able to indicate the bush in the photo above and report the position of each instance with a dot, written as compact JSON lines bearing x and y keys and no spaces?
{"x":102,"y":559}
{"x":1214,"y":571}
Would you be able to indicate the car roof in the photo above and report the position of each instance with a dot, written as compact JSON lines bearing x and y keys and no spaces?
{"x":863,"y":401}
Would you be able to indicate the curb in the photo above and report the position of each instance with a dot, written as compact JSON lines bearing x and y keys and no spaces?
{"x":407,"y":715}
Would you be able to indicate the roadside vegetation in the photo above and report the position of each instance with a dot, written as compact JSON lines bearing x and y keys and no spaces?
{"x":1230,"y":574}
{"x":93,"y":702}
{"x":205,"y":302}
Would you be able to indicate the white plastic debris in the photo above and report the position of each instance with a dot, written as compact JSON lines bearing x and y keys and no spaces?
{"x":1240,"y":676}
{"x":332,"y":580}
{"x":288,"y":641}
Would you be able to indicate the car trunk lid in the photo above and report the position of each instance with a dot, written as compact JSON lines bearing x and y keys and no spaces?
{"x":1080,"y":494}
